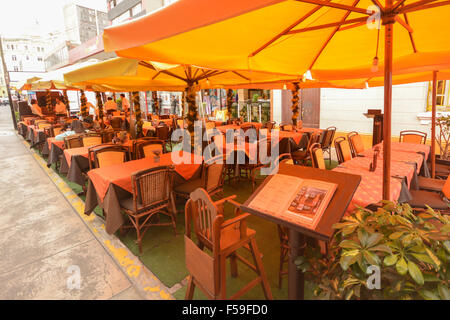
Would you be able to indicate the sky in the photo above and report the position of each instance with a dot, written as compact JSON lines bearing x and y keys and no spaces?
{"x":37,"y":17}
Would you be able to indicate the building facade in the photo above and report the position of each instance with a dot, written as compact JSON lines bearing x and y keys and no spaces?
{"x":24,"y":57}
{"x":123,"y":10}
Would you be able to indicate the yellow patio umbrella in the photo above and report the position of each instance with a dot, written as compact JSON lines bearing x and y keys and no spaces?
{"x":26,"y":85}
{"x":289,"y":36}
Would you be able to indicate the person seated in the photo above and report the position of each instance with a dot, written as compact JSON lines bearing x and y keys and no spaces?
{"x":70,"y":129}
{"x":60,"y":107}
{"x":35,"y":109}
{"x":110,"y":106}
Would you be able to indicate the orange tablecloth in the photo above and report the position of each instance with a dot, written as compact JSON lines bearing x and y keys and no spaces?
{"x":120,"y":175}
{"x":408,"y":147}
{"x":398,"y":156}
{"x":370,"y":190}
{"x":58,"y":143}
{"x":309,"y":130}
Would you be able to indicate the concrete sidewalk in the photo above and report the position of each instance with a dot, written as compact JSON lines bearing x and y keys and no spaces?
{"x":46,"y":251}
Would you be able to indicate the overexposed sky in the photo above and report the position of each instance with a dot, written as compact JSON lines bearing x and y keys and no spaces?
{"x":37,"y":17}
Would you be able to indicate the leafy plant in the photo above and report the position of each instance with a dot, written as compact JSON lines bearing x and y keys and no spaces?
{"x":411,"y":250}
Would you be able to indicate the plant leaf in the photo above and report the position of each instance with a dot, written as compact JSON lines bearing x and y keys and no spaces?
{"x":444,"y":292}
{"x":396,"y":235}
{"x":401,"y":267}
{"x":374,"y":239}
{"x":428,"y":295}
{"x":371,"y":258}
{"x":390,"y":260}
{"x":435,"y":259}
{"x":349,"y":244}
{"x":415,"y":273}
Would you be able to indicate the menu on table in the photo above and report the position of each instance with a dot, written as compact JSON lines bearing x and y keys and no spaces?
{"x":300,"y":200}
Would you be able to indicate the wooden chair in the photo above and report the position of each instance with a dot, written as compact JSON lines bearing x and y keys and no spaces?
{"x":116,"y":123}
{"x":145,"y":149}
{"x":212,"y":179}
{"x":283,"y":235}
{"x":163,"y":133}
{"x":413,"y":136}
{"x":135,"y":146}
{"x":328,"y":140}
{"x":91,"y":139}
{"x":436,"y":200}
{"x":343,"y":150}
{"x":316,"y":154}
{"x":356,"y":143}
{"x":301,"y":156}
{"x":223,"y":238}
{"x":106,"y":155}
{"x":74,"y":141}
{"x":152,"y":195}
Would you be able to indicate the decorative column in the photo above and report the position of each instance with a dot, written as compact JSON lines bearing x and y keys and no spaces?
{"x":83,"y":107}
{"x":183,"y":102}
{"x":295,"y":100}
{"x":98,"y":95}
{"x":137,"y":114}
{"x":155,"y":102}
{"x":229,"y":102}
{"x":66,"y":102}
{"x":49,"y":102}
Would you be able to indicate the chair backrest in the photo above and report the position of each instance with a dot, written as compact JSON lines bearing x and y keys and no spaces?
{"x":343,"y":150}
{"x":116,"y":113}
{"x":74,"y":141}
{"x":313,"y":138}
{"x":162,"y":132}
{"x":107,"y":155}
{"x":328,"y":137}
{"x":317,"y":158}
{"x":56,"y":130}
{"x":269,"y":125}
{"x":44,"y":124}
{"x":413,"y":136}
{"x":356,"y":143}
{"x":91,"y":140}
{"x":446,"y":188}
{"x":152,"y":187}
{"x":180,"y":123}
{"x":213,"y":175}
{"x":116,"y":123}
{"x":145,"y":149}
{"x":203,"y":214}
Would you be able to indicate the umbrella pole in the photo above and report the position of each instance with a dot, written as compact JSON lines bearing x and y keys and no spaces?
{"x":388,"y":22}
{"x":433,"y":126}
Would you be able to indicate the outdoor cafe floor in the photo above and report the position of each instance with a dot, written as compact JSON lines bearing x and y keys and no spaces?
{"x":163,"y":252}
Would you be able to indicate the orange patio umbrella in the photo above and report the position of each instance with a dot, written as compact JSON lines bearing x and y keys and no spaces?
{"x":289,"y":36}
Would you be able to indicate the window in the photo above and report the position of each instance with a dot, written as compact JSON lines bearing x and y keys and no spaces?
{"x":136,"y":9}
{"x":28,"y":58}
{"x":16,"y":68}
{"x":39,"y":59}
{"x":8,"y":46}
{"x":14,"y":58}
{"x":442,"y":94}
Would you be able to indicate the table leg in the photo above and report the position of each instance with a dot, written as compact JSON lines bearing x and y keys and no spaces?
{"x":296,"y":278}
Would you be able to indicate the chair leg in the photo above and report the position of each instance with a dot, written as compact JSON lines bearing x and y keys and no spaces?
{"x":190,"y":289}
{"x":233,"y":265}
{"x":261,"y":271}
{"x":223,"y":278}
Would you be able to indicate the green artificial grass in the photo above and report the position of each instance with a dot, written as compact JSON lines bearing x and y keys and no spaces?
{"x":163,"y":251}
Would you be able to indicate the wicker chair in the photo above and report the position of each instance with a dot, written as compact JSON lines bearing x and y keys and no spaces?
{"x":152,"y":195}
{"x":73,"y":141}
{"x":136,"y":142}
{"x":413,"y":136}
{"x":343,"y":150}
{"x":436,"y":200}
{"x":269,"y":125}
{"x":356,"y":143}
{"x":163,"y":133}
{"x":211,"y":180}
{"x":223,"y":238}
{"x":116,"y":123}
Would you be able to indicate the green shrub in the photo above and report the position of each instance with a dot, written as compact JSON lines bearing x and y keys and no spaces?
{"x":411,"y":250}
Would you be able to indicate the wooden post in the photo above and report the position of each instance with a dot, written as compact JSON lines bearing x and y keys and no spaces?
{"x":388,"y":22}
{"x":8,"y":89}
{"x":433,"y":126}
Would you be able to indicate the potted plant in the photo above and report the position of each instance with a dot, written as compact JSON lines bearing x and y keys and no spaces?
{"x":390,"y":253}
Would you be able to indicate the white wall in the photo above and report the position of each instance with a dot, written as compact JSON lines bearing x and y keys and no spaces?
{"x":276,"y":105}
{"x":344,"y":108}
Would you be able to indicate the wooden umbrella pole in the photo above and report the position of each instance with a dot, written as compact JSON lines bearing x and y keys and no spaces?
{"x":388,"y":22}
{"x":433,"y":126}
{"x":295,"y":100}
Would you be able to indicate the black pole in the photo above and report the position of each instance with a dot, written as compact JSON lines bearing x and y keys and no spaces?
{"x":8,"y":89}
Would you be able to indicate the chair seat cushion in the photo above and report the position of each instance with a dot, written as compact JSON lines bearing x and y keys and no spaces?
{"x":188,"y":187}
{"x":231,"y":235}
{"x":431,"y":184}
{"x":422,"y":198}
{"x":128,"y":204}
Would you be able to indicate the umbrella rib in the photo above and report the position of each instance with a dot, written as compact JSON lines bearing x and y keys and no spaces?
{"x":378,"y":4}
{"x":285,"y":31}
{"x":329,"y":25}
{"x":410,"y":34}
{"x":240,"y":75}
{"x":157,"y":74}
{"x":338,"y":6}
{"x":400,"y":3}
{"x":421,"y":5}
{"x":173,"y":75}
{"x":331,"y":36}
